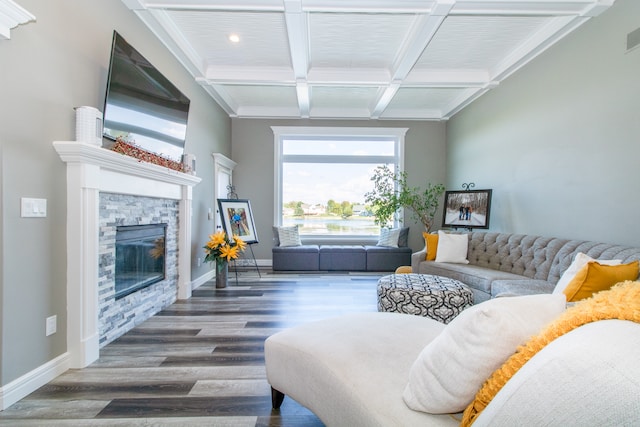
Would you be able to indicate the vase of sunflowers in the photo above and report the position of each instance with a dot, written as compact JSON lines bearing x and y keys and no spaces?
{"x":220,"y":249}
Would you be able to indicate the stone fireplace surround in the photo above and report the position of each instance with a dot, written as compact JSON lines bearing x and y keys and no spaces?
{"x":93,"y":171}
{"x":117,"y":316}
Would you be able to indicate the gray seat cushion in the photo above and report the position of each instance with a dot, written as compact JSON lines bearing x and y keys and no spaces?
{"x":343,"y":258}
{"x":295,"y":258}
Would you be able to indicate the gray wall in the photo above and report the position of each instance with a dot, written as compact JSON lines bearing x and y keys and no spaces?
{"x":253,"y":150}
{"x":48,"y":68}
{"x":559,"y":141}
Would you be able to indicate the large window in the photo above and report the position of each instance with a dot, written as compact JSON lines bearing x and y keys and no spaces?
{"x":322,"y":175}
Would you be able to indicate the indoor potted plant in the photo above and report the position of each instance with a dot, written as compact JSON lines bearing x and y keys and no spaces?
{"x":220,"y":249}
{"x":391,"y":192}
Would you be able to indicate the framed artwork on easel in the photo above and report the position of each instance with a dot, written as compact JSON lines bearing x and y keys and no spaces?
{"x":237,"y":219}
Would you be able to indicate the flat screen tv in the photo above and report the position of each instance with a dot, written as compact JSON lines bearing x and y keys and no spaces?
{"x":142,"y":106}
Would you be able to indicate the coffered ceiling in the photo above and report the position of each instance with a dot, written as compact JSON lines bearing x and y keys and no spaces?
{"x":357,"y":59}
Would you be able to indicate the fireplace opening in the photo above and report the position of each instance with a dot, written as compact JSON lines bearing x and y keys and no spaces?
{"x":140,"y":255}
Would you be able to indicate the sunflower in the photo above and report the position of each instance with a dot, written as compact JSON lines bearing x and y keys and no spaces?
{"x":219,"y":247}
{"x":229,"y":252}
{"x":218,"y":239}
{"x":241,"y":244}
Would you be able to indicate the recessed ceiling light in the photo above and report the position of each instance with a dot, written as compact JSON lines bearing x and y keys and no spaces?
{"x":234,"y":38}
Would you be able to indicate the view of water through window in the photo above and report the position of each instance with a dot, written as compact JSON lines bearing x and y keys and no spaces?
{"x":324,"y":184}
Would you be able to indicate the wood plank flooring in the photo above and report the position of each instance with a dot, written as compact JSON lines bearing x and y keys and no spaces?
{"x":200,"y":361}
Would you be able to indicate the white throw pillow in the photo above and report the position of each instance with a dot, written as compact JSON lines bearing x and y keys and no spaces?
{"x":452,"y":248}
{"x":389,"y":237}
{"x":289,"y":236}
{"x":580,"y":261}
{"x":451,"y":369}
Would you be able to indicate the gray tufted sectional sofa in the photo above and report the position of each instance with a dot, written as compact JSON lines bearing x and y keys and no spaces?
{"x":502,"y":264}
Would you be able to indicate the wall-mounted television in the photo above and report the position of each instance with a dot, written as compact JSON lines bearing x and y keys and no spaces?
{"x":141,"y":105}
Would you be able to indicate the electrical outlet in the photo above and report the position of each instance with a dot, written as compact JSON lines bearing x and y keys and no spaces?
{"x":199,"y":261}
{"x":51,"y":325}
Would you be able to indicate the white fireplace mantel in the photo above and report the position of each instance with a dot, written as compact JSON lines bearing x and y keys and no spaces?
{"x":90,"y":170}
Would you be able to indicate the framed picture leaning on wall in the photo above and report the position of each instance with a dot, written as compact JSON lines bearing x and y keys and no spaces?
{"x":237,"y":219}
{"x":467,"y":209}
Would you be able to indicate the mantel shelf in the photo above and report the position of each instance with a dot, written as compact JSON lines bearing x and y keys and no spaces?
{"x":82,"y":152}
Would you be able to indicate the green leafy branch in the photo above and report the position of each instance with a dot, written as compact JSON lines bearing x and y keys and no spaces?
{"x":391,"y":192}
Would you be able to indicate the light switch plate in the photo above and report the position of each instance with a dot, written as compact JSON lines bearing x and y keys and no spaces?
{"x":51,"y":325}
{"x":33,"y":208}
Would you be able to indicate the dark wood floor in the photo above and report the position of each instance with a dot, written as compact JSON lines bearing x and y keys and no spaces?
{"x":200,"y":361}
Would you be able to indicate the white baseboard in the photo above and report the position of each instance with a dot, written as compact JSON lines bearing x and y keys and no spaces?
{"x":195,"y":284}
{"x":248,"y":263}
{"x":31,"y":381}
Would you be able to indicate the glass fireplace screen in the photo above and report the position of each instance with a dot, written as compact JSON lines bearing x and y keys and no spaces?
{"x":140,"y":255}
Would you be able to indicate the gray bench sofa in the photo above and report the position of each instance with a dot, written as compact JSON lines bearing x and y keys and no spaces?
{"x":502,"y":264}
{"x":341,"y":257}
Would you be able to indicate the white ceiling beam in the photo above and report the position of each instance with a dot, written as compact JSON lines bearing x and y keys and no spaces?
{"x":349,"y":76}
{"x":304,"y":98}
{"x":223,"y":5}
{"x":555,"y":30}
{"x":467,"y":7}
{"x":12,"y":15}
{"x":447,"y":78}
{"x":464,"y":99}
{"x":530,"y":8}
{"x":220,"y":95}
{"x":298,"y":35}
{"x":167,"y":31}
{"x":369,"y":6}
{"x":420,"y":35}
{"x":412,"y":114}
{"x":564,"y":16}
{"x":340,"y":112}
{"x":384,"y":98}
{"x":355,"y":77}
{"x":250,"y":75}
{"x":135,"y":4}
{"x":597,"y":7}
{"x":268,"y":112}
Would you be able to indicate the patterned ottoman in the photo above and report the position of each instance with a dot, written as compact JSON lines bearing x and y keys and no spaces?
{"x":437,"y":297}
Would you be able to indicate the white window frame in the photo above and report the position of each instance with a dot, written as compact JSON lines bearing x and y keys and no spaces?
{"x":281,"y":133}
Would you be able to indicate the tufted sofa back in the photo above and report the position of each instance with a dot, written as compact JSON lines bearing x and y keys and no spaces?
{"x":530,"y":256}
{"x":595,"y":250}
{"x":543,"y":258}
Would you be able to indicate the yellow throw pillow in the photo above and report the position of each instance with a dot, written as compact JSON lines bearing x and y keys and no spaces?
{"x":431,"y":242}
{"x":595,"y":277}
{"x":404,"y":269}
